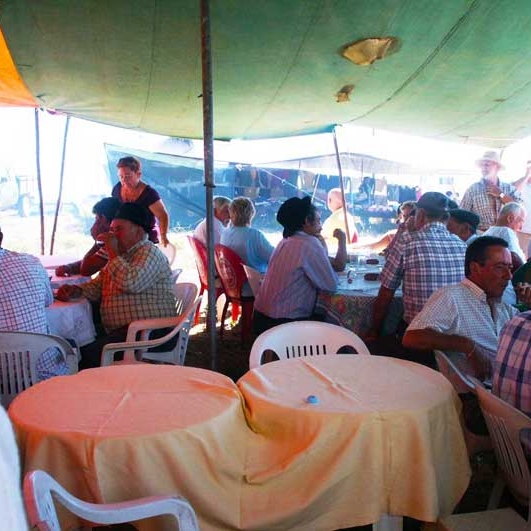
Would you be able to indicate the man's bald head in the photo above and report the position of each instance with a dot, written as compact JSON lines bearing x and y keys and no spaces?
{"x":335,"y":200}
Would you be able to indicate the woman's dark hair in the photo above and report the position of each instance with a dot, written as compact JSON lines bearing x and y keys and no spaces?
{"x":477,"y":250}
{"x":293,"y":213}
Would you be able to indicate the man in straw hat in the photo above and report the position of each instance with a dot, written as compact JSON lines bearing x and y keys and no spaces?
{"x":487,"y":196}
{"x":136,"y":282}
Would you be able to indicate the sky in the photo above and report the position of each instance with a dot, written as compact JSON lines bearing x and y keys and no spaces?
{"x":86,"y":169}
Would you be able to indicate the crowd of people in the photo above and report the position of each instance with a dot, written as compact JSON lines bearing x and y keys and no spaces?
{"x":454,"y":264}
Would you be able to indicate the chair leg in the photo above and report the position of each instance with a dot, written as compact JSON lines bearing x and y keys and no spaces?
{"x":246,"y":321}
{"x":235,"y":312}
{"x":223,"y":316}
{"x":496,"y":493}
{"x":196,"y":317}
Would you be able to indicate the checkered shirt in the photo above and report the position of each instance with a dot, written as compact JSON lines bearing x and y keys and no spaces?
{"x":512,"y":366}
{"x":477,"y":200}
{"x":425,"y":260}
{"x":25,"y":291}
{"x":463,"y":309}
{"x":134,"y":285}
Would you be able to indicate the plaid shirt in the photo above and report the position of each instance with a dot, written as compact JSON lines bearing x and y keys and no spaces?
{"x":485,"y":206}
{"x":134,"y":285}
{"x":512,"y":367}
{"x":425,"y":260}
{"x":463,"y":309}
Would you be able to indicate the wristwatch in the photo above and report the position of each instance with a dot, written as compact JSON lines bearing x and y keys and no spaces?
{"x":502,"y":195}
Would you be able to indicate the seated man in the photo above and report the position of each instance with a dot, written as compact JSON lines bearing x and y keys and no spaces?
{"x":25,"y":292}
{"x":468,"y":317}
{"x":511,"y":370}
{"x":96,"y":257}
{"x":221,"y":219}
{"x":298,"y":268}
{"x":464,"y":224}
{"x":135,"y":284}
{"x":337,"y":219}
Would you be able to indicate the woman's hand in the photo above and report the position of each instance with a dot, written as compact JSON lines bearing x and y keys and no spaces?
{"x":164,"y":240}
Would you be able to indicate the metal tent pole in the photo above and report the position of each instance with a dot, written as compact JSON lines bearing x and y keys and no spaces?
{"x":60,"y":193}
{"x":208,"y":146}
{"x":342,"y":185}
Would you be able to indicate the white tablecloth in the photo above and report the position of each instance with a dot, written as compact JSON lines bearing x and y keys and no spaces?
{"x":72,"y":320}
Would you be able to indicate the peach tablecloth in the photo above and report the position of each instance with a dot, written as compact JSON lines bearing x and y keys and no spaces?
{"x":384,"y":438}
{"x":117,"y":433}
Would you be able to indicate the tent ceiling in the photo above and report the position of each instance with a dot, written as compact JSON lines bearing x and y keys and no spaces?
{"x":461,"y":73}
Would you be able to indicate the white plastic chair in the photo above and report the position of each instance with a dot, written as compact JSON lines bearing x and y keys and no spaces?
{"x":254,"y":277}
{"x":504,"y":423}
{"x":39,"y":486}
{"x":19,"y":353}
{"x":462,"y":384}
{"x":135,"y":350}
{"x":169,"y":251}
{"x":304,"y":338}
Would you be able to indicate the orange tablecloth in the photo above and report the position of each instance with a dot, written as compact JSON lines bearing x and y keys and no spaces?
{"x":385,"y":438}
{"x":117,"y":433}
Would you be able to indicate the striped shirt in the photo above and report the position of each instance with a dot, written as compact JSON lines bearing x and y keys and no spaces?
{"x":134,"y":285}
{"x":299,"y":266}
{"x":463,"y":309}
{"x":487,"y":207}
{"x":425,"y":260}
{"x":512,"y":366}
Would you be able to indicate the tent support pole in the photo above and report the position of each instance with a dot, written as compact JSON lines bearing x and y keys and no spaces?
{"x":39,"y":180}
{"x":342,"y":185}
{"x":61,"y":177}
{"x":208,"y":147}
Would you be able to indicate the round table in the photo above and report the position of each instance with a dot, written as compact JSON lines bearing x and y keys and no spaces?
{"x":72,"y":320}
{"x":381,"y":436}
{"x":121,"y":432}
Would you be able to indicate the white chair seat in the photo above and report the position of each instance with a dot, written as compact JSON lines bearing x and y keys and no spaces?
{"x":498,"y":520}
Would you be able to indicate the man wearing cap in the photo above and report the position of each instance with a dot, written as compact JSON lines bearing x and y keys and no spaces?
{"x":464,"y":224}
{"x":487,"y":196}
{"x":422,"y":261}
{"x":298,"y":268}
{"x":136,"y":282}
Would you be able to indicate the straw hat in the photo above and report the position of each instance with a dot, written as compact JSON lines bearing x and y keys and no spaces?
{"x":492,"y":156}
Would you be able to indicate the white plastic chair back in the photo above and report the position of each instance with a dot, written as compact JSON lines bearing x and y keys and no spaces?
{"x":504,"y":423}
{"x":39,"y":486}
{"x":19,"y":353}
{"x":135,"y":350}
{"x":175,"y":274}
{"x":254,"y":277}
{"x":460,"y":382}
{"x":304,"y":338}
{"x":169,"y":252}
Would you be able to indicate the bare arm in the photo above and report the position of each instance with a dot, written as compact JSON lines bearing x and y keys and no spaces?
{"x":429,"y":339}
{"x":160,"y":212}
{"x":340,"y":260}
{"x":379,"y":311}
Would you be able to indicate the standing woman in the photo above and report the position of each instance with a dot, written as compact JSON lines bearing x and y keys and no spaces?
{"x":131,"y":189}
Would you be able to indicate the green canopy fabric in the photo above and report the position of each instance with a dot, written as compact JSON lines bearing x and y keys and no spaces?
{"x":461,"y":70}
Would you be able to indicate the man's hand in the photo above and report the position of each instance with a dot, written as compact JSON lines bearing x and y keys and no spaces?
{"x":62,"y":271}
{"x":523,"y":293}
{"x":340,"y":236}
{"x":67,"y":292}
{"x":492,"y":189}
{"x":110,"y":242}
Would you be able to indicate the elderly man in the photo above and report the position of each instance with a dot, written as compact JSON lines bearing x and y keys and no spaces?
{"x":464,"y":224}
{"x":425,"y":260}
{"x":299,"y":266}
{"x":96,"y":257}
{"x":135,"y":284}
{"x":468,"y":317}
{"x":221,"y":219}
{"x":336,"y":220}
{"x":25,"y":292}
{"x":487,"y":196}
{"x":510,"y":220}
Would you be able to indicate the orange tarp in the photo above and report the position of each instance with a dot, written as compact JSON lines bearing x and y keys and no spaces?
{"x":13,"y":91}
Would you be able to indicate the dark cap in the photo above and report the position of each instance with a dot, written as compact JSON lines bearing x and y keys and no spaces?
{"x":465,"y":216}
{"x":434,"y":202}
{"x":136,"y":214}
{"x":293,"y":212}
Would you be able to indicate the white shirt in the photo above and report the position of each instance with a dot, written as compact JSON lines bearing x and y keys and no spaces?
{"x":201,"y":234}
{"x":509,"y":235}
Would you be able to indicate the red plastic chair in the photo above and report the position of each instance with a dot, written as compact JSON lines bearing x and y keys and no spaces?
{"x":233,"y":277}
{"x":200,"y":255}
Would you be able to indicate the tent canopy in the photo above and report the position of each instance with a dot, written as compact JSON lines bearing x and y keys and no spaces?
{"x":460,"y":70}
